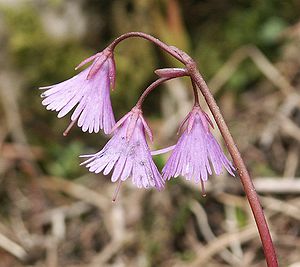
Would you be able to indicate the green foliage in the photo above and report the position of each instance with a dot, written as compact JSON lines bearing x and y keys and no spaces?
{"x":241,"y":216}
{"x":135,"y":64}
{"x":159,"y":160}
{"x":40,"y":58}
{"x":43,"y":60}
{"x":187,"y":255}
{"x":65,"y":162}
{"x":245,"y":75}
{"x":246,"y":22}
{"x":180,"y":220}
{"x":271,"y":29}
{"x":209,"y":30}
{"x":262,"y":169}
{"x":153,"y":249}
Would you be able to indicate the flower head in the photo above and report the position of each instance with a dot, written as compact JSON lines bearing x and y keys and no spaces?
{"x":194,"y":149}
{"x":90,"y":89}
{"x":128,"y":153}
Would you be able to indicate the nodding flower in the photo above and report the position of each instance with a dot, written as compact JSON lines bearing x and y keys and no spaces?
{"x":89,"y":91}
{"x":128,"y":153}
{"x":195,"y":150}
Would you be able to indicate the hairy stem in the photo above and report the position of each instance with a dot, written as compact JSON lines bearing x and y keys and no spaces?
{"x":150,"y":88}
{"x":159,"y":82}
{"x":240,"y":166}
{"x":232,"y":148}
{"x":150,"y":38}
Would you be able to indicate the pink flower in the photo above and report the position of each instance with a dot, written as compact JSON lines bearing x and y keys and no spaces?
{"x":90,"y":89}
{"x":194,"y":149}
{"x":128,"y":153}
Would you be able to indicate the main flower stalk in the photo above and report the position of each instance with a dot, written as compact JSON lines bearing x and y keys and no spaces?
{"x":240,"y":167}
{"x":87,"y":97}
{"x":246,"y":180}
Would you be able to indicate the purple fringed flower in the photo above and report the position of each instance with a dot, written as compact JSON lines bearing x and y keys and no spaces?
{"x":90,"y":89}
{"x":128,"y":153}
{"x":194,"y":149}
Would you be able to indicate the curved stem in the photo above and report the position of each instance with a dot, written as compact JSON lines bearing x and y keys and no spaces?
{"x":150,"y":88}
{"x":150,"y":38}
{"x":232,"y":148}
{"x":240,"y":166}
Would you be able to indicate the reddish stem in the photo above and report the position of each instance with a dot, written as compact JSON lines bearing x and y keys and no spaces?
{"x":149,"y":89}
{"x":150,"y":38}
{"x":158,"y":82}
{"x":66,"y":132}
{"x":232,"y":148}
{"x":240,"y":166}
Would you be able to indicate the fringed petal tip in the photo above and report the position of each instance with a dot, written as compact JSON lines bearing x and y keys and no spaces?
{"x":231,"y":169}
{"x":197,"y":152}
{"x":160,"y":185}
{"x":86,"y":156}
{"x":90,"y":98}
{"x":45,"y":87}
{"x":127,"y":157}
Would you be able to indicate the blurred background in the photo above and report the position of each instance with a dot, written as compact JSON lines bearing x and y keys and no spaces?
{"x":54,"y":213}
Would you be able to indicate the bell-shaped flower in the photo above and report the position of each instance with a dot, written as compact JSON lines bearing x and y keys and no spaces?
{"x":128,"y":153}
{"x":195,"y":150}
{"x":90,"y":91}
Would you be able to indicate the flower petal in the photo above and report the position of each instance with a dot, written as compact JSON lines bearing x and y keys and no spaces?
{"x":194,"y":151}
{"x":130,"y":157}
{"x":92,"y":97}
